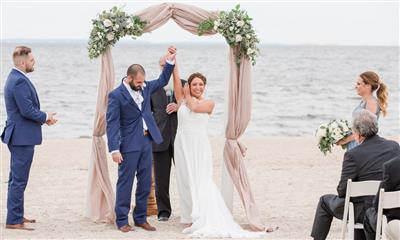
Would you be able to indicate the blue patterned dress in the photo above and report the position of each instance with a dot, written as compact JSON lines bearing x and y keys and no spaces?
{"x":360,"y":107}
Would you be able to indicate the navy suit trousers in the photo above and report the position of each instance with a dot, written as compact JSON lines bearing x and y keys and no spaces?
{"x":139,"y":163}
{"x":20,"y":165}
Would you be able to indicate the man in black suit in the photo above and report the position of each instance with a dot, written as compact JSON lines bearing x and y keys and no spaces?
{"x":391,"y":183}
{"x":361,"y":163}
{"x":164,"y":108}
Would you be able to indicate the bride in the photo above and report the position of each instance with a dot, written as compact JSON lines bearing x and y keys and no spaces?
{"x":202,"y":208}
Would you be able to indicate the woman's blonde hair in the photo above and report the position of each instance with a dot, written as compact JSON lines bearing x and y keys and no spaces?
{"x":376,"y":83}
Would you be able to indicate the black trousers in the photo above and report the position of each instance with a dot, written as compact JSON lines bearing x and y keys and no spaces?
{"x":330,"y":206}
{"x":162,"y":171}
{"x":370,"y":223}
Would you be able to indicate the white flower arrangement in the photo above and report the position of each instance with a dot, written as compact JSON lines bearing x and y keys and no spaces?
{"x":331,"y":133}
{"x":235,"y":26}
{"x":109,"y":27}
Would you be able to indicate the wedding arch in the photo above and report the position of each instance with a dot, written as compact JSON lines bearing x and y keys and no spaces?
{"x":235,"y":26}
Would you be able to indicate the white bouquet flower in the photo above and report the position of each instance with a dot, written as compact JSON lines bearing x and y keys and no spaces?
{"x":331,"y":133}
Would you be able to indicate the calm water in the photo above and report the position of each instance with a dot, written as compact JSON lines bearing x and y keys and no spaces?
{"x":295,"y":88}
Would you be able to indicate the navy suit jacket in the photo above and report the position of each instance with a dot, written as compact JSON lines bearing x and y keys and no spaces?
{"x":124,"y":118}
{"x":24,"y":118}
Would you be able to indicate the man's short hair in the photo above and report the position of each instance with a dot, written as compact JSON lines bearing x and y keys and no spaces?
{"x":20,"y":51}
{"x":134,"y":69}
{"x":365,"y":123}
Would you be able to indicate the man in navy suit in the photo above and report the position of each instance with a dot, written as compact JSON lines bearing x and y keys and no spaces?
{"x":23,"y":130}
{"x":131,"y":129}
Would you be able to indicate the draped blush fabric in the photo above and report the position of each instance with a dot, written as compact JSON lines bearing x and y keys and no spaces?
{"x":100,"y":193}
{"x":186,"y":16}
{"x":239,"y":112}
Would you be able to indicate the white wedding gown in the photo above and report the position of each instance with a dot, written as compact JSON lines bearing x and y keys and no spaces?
{"x":201,"y":202}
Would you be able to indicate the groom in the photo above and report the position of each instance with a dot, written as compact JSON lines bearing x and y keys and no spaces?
{"x":131,"y":129}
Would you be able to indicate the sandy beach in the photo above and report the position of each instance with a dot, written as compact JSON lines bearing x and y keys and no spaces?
{"x":288,"y":175}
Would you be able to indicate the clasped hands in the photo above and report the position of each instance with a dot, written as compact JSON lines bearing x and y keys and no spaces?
{"x":51,"y":120}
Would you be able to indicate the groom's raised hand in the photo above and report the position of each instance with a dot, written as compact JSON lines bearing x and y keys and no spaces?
{"x":171,"y":53}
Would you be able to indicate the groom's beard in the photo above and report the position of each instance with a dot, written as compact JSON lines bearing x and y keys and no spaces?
{"x":135,"y":88}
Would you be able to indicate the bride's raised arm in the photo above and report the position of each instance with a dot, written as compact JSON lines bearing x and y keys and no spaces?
{"x":178,"y":89}
{"x":204,"y":106}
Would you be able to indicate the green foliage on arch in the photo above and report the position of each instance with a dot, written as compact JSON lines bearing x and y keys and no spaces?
{"x":237,"y":30}
{"x":109,"y":27}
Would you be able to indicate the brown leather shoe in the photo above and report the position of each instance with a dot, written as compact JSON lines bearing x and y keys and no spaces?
{"x":19,"y":226}
{"x":29,"y":220}
{"x":146,"y":226}
{"x":126,"y":228}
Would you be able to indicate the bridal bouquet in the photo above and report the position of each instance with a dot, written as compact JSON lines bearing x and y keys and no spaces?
{"x":236,"y":27}
{"x":109,"y":27}
{"x":331,"y":133}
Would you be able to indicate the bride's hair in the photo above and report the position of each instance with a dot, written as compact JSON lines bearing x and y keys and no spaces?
{"x":197,"y":75}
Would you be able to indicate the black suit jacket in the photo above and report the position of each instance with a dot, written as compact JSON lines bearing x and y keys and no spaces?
{"x":167,"y":123}
{"x":391,"y":183}
{"x":365,"y":162}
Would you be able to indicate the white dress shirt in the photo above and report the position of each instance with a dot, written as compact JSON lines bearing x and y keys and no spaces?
{"x":138,"y":98}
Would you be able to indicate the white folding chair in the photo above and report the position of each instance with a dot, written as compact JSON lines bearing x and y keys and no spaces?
{"x":387,"y":200}
{"x":355,"y":189}
{"x":392,"y":232}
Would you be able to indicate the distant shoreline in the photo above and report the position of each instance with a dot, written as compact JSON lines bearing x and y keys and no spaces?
{"x":127,"y":41}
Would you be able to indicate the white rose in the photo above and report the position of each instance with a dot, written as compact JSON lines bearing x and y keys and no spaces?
{"x":250,"y":51}
{"x":216,"y":23}
{"x":107,"y":23}
{"x":240,"y":23}
{"x":110,"y":36}
{"x":333,"y":126}
{"x":230,"y":28}
{"x":337,"y":134}
{"x":238,"y":38}
{"x":248,"y":36}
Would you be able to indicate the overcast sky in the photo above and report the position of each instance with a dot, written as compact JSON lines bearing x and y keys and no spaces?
{"x":300,"y":22}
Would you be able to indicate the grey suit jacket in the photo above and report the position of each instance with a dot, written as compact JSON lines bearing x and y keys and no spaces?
{"x":365,"y":162}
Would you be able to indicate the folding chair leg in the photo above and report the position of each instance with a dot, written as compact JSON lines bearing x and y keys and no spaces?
{"x":351,"y":222}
